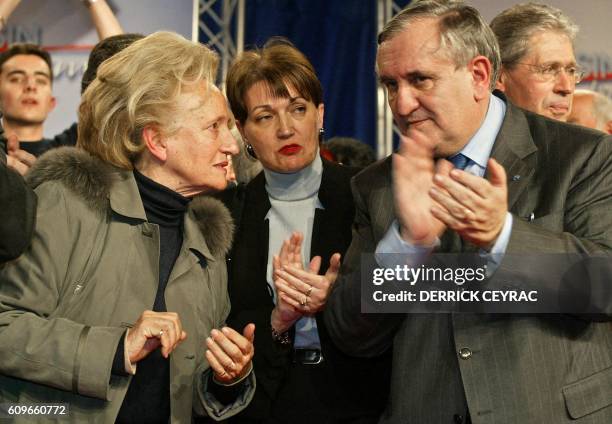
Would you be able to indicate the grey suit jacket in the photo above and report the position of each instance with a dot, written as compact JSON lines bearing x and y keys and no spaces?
{"x":514,"y":368}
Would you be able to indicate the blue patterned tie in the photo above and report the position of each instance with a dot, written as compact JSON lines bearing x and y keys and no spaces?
{"x":460,"y":161}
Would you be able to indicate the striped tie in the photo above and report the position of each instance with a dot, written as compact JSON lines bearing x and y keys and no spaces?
{"x":460,"y":161}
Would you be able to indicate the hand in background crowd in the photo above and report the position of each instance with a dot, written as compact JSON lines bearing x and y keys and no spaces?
{"x":20,"y":160}
{"x":304,"y":290}
{"x":103,"y":18}
{"x":102,"y":15}
{"x":6,"y":9}
{"x":230,"y":353}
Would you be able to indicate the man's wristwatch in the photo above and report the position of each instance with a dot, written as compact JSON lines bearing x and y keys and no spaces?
{"x":280,"y":338}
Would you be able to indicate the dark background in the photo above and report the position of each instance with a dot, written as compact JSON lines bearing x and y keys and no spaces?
{"x":339,"y":38}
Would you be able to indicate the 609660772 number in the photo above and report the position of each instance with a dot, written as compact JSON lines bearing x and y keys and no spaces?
{"x":11,"y":410}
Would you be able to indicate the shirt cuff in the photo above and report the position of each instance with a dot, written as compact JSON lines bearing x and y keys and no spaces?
{"x":392,"y":250}
{"x":497,"y":252}
{"x":235,"y":382}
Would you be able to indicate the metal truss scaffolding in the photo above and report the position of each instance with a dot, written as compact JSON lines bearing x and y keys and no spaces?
{"x":221,"y":23}
{"x":384,"y":126}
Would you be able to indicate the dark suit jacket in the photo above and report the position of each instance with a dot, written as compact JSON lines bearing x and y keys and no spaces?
{"x":17,"y":212}
{"x":352,"y":386}
{"x":520,"y":369}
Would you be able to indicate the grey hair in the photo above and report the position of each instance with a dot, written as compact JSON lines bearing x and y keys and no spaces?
{"x":514,"y":27}
{"x":602,"y":106}
{"x":463,"y":31}
{"x":602,"y":109}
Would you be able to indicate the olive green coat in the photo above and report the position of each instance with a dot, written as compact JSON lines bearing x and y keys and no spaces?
{"x":91,"y":271}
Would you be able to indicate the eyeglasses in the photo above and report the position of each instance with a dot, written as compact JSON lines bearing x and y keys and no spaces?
{"x":550,"y":73}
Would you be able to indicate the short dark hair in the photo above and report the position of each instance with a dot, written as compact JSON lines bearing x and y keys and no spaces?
{"x":350,"y":151}
{"x":29,"y":49}
{"x":102,"y":51}
{"x":278,"y":64}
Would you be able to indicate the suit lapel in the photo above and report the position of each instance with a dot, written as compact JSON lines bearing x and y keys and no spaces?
{"x":328,"y":222}
{"x":384,"y":207}
{"x":515,"y":150}
{"x":256,"y":212}
{"x":252,"y":239}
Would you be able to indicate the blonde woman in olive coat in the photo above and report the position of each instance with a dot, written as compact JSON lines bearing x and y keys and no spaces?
{"x":118,"y":307}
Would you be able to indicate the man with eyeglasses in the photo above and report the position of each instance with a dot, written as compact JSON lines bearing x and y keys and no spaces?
{"x":539,"y":71}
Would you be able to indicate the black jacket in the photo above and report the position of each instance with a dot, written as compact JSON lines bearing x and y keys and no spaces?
{"x":17,"y":212}
{"x":352,"y":387}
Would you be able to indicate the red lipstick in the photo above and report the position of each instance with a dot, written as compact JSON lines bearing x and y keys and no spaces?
{"x":290,"y":149}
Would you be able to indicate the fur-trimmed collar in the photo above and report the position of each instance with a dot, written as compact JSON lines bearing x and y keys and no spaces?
{"x":91,"y":179}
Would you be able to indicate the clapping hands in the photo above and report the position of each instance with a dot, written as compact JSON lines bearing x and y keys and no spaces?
{"x":300,"y":291}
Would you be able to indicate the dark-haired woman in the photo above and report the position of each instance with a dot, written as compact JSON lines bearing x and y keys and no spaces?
{"x":302,"y":377}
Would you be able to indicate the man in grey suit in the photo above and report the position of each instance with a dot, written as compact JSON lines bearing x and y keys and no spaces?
{"x":531,"y":185}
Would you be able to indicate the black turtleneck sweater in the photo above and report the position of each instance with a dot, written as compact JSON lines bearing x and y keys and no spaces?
{"x":148,"y":397}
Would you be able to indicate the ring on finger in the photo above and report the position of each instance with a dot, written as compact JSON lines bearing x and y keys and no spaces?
{"x":303,"y":301}
{"x":161,"y":333}
{"x":308,"y":291}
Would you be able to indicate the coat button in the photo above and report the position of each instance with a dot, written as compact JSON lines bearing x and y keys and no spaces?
{"x":465,"y":353}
